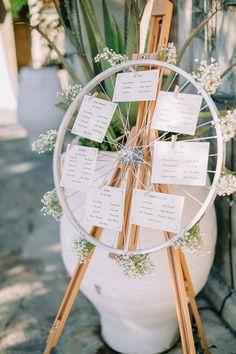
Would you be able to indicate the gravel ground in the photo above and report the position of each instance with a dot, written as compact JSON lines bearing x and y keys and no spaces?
{"x":33,"y":278}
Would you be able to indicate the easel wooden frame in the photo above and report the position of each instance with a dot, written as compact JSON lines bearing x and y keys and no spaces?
{"x":181,"y":279}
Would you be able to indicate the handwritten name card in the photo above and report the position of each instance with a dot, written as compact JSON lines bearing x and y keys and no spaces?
{"x":157,"y":210}
{"x":136,"y":86}
{"x":185,"y":163}
{"x":94,"y":118}
{"x":105,"y":207}
{"x":79,"y":167}
{"x":177,"y":113}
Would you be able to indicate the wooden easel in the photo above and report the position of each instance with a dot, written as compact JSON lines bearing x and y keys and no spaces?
{"x":181,"y":279}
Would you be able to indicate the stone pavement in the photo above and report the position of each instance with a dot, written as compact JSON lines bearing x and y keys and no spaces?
{"x":33,"y":278}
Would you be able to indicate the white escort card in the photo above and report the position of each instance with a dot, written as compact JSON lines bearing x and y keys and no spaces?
{"x":157,"y":210}
{"x":177,"y":113}
{"x":94,"y":118}
{"x":136,"y":86}
{"x":185,"y":163}
{"x":105,"y":207}
{"x":79,"y":167}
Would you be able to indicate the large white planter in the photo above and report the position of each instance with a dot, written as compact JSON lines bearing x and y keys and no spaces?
{"x":138,"y":316}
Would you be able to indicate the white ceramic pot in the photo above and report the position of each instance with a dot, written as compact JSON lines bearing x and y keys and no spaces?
{"x":138,"y":316}
{"x":37,"y":98}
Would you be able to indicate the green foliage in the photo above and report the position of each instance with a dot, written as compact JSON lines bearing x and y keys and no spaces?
{"x":110,"y":40}
{"x":122,"y":40}
{"x":16,"y":6}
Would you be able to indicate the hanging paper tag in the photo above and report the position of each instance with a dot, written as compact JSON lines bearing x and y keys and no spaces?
{"x":157,"y":210}
{"x":184,"y":164}
{"x":79,"y":167}
{"x":105,"y":207}
{"x":177,"y":113}
{"x":94,"y":118}
{"x":136,"y":86}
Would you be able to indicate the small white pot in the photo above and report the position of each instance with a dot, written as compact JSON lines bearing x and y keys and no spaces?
{"x":138,"y":316}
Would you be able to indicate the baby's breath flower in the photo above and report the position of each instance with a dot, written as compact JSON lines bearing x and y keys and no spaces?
{"x":70,"y":93}
{"x":192,"y":241}
{"x":136,"y":266}
{"x":227,"y":183}
{"x":169,"y":53}
{"x":45,"y":142}
{"x":110,"y":56}
{"x":51,"y":205}
{"x":208,"y":76}
{"x":228,"y":125}
{"x":81,"y":247}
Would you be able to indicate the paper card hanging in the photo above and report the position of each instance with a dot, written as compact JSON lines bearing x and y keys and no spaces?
{"x":177,"y":113}
{"x":105,"y":207}
{"x":159,"y":211}
{"x":136,"y":86}
{"x":79,"y":167}
{"x":184,"y":164}
{"x":93,"y":119}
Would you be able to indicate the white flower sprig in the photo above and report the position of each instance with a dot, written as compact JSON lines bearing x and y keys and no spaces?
{"x":110,"y":56}
{"x":208,"y":76}
{"x":136,"y":266}
{"x":228,"y":125}
{"x":45,"y":142}
{"x":227,"y":183}
{"x":170,"y":54}
{"x":52,"y":206}
{"x":70,"y":93}
{"x":81,"y":247}
{"x":192,"y":241}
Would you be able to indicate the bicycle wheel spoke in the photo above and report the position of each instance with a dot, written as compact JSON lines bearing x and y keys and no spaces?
{"x":203,"y":138}
{"x":203,"y":107}
{"x":203,"y":124}
{"x":168,"y":88}
{"x":183,"y":86}
{"x":211,"y":171}
{"x":189,"y":194}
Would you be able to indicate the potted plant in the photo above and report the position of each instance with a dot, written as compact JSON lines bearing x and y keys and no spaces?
{"x":127,"y":320}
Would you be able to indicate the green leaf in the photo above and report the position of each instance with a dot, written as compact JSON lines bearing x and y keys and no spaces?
{"x":132,"y":44}
{"x":120,"y":41}
{"x":90,"y":14}
{"x":74,"y":33}
{"x":142,"y":5}
{"x":91,"y":37}
{"x":62,"y":105}
{"x":226,"y":71}
{"x":108,"y":28}
{"x":16,"y":6}
{"x":192,"y":36}
{"x":126,"y":21}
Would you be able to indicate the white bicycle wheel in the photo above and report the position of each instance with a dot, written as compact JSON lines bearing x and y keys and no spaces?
{"x":130,"y":159}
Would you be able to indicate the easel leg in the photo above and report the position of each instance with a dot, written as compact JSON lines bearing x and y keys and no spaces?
{"x":65,"y":308}
{"x":191,"y":295}
{"x":181,"y":302}
{"x":68,"y":300}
